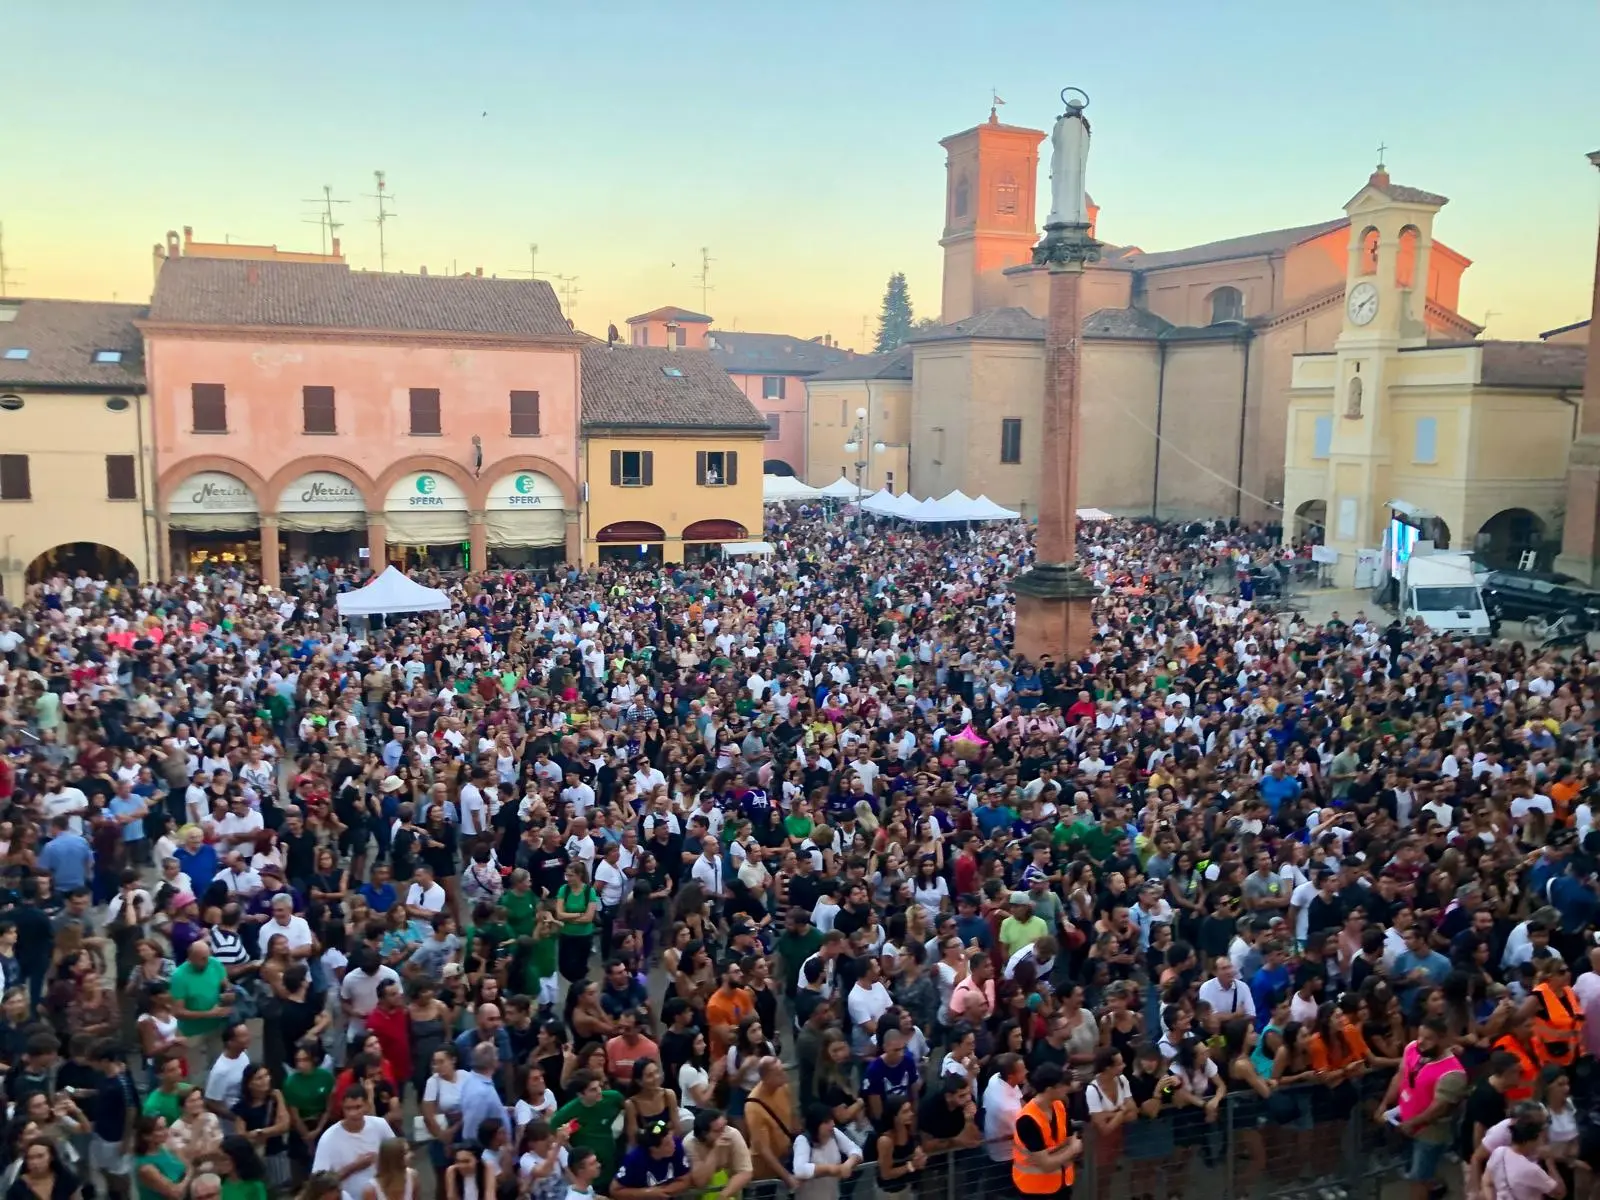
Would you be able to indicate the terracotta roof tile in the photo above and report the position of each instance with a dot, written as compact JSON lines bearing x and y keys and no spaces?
{"x":1271,"y":242}
{"x":61,"y":338}
{"x":998,"y":324}
{"x":216,"y":291}
{"x":894,"y":365}
{"x":672,"y":313}
{"x":1533,"y":364}
{"x":630,"y":387}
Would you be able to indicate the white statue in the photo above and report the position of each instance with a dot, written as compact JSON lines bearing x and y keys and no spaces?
{"x":1069,"y":160}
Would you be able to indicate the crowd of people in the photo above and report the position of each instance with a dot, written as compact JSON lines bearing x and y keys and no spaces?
{"x":653,"y":880}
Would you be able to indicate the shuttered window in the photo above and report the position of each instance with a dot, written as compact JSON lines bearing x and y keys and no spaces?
{"x":210,"y":402}
{"x":1011,"y":440}
{"x":425,"y":412}
{"x":317,"y":404}
{"x":633,"y":468}
{"x":772,"y":387}
{"x":524,"y":414}
{"x":120,"y":481}
{"x":15,"y":483}
{"x":716,"y":468}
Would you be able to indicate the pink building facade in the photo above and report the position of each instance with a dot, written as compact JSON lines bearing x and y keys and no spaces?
{"x":303,"y":411}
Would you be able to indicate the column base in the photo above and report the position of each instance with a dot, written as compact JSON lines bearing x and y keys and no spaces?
{"x":1054,"y":612}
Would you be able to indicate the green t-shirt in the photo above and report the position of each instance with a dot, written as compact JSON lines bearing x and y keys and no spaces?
{"x":594,"y":1126}
{"x":1015,"y":934}
{"x":541,"y":963}
{"x":794,"y":950}
{"x":307,"y":1093}
{"x":198,"y":991}
{"x":243,"y":1189}
{"x":1100,"y":842}
{"x":520,"y":909}
{"x":161,"y":1104}
{"x":798,"y":827}
{"x":577,"y":902}
{"x":163,"y":1160}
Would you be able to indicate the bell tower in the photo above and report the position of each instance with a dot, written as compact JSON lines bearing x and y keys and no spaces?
{"x":1386,"y":285}
{"x":990,"y":218}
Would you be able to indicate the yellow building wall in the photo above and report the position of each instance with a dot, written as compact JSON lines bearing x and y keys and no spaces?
{"x":673,"y":500}
{"x":1117,"y":401}
{"x":67,"y":437}
{"x":941,"y":397}
{"x":831,"y":419}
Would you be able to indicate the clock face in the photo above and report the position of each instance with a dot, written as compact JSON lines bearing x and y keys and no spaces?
{"x":1362,"y":303}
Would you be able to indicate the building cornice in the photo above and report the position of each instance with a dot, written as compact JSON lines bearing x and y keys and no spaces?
{"x":446,"y":339}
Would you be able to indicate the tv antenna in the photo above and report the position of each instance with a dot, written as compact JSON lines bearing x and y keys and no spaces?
{"x":703,"y":279}
{"x":7,"y":275}
{"x":383,"y":197}
{"x":569,"y":289}
{"x":324,"y":217}
{"x":866,"y":326}
{"x":1490,"y":315}
{"x":533,"y":271}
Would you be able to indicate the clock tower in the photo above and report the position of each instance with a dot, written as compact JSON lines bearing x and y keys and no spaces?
{"x":1386,"y":278}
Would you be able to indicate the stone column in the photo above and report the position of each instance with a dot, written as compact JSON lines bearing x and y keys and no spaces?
{"x":269,"y":550}
{"x":478,"y":536}
{"x":1580,"y":537}
{"x":574,"y":547}
{"x":377,"y":541}
{"x":163,"y":549}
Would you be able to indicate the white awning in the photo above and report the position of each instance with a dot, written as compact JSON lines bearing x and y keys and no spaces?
{"x":776,"y":489}
{"x":756,"y":549}
{"x":842,"y":489}
{"x":392,"y":592}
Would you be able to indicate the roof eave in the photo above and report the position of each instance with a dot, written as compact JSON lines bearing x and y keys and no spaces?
{"x":334,"y":332}
{"x":675,"y":427}
{"x":77,"y":388}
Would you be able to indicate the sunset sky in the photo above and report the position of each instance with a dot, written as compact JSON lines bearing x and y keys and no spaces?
{"x":798,"y":142}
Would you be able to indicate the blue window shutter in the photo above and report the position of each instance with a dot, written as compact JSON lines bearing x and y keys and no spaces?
{"x":1427,"y":449}
{"x":1322,"y":444}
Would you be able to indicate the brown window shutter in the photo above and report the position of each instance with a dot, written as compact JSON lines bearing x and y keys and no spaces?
{"x":524,"y":414}
{"x":700,"y":467}
{"x":317,"y":406}
{"x":15,"y":483}
{"x":425,"y":411}
{"x":120,"y":482}
{"x":616,"y":468}
{"x":730,"y":467}
{"x":647,"y":467}
{"x":783,"y":381}
{"x":210,"y":407}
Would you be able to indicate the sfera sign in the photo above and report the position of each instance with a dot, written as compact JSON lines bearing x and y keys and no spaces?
{"x":524,"y":490}
{"x":426,"y":491}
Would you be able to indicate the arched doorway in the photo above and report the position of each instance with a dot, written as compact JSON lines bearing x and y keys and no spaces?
{"x":776,"y":466}
{"x":1505,"y":537}
{"x":213,"y":519}
{"x":89,"y":558}
{"x":1311,"y":522}
{"x":703,"y":539}
{"x":630,"y":542}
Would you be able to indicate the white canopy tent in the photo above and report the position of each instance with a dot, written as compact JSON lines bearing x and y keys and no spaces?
{"x":753,"y":549}
{"x":777,"y":489}
{"x":842,"y":489}
{"x":1093,"y":514}
{"x":392,"y":592}
{"x":886,"y":504}
{"x":985,"y":509}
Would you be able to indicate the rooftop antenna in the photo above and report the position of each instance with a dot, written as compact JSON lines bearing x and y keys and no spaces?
{"x":1490,"y":315}
{"x":569,"y":289}
{"x":324,"y":218}
{"x":7,"y":275}
{"x":866,"y":326}
{"x":704,"y":277}
{"x":533,"y":271}
{"x":383,"y":198}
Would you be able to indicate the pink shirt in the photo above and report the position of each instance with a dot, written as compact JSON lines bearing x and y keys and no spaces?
{"x":1516,"y":1177}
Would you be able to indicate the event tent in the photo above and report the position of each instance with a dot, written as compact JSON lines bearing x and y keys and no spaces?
{"x":985,"y":509}
{"x":842,"y":489}
{"x":776,"y":489}
{"x":1093,"y":514}
{"x":392,"y":592}
{"x":749,"y":549}
{"x":886,"y":504}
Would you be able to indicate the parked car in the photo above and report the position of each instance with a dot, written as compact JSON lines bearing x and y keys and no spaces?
{"x":1539,"y":597}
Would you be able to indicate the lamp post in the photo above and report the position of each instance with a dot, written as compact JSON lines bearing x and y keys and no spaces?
{"x":1054,"y":599}
{"x":859,"y":446}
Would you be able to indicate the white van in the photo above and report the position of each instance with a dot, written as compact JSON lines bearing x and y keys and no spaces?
{"x":1442,"y":591}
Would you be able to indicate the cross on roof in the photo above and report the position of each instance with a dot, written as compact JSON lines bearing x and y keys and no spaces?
{"x":1382,"y":146}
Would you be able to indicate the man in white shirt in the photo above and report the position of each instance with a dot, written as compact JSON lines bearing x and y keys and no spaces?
{"x":425,"y":896}
{"x":578,"y":794}
{"x":707,"y":870}
{"x":225,"y":1077}
{"x":1587,"y":988}
{"x":1002,"y":1101}
{"x":472,"y":805}
{"x":293,"y":929}
{"x":1226,"y":994}
{"x":350,"y":1148}
{"x":237,"y":830}
{"x":65,"y":800}
{"x":359,"y":990}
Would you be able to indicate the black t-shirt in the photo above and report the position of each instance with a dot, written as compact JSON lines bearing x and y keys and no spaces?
{"x":937,"y":1119}
{"x":549,"y":869}
{"x":1486,"y":1107}
{"x":1043,"y":1052}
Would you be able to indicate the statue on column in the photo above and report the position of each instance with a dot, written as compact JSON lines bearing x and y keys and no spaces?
{"x":1069,"y":161}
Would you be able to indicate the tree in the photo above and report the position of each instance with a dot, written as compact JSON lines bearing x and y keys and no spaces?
{"x":894,"y":322}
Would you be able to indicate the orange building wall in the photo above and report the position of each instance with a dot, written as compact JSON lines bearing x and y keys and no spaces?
{"x":1317,"y":265}
{"x":371,"y":383}
{"x":694,"y":333}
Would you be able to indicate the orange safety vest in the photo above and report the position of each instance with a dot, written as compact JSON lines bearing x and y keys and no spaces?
{"x":1556,"y":1034}
{"x":1529,"y":1068}
{"x":1028,"y":1179}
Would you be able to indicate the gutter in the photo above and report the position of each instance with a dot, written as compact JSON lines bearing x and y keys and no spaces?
{"x":1161,"y":393}
{"x":1244,"y":408}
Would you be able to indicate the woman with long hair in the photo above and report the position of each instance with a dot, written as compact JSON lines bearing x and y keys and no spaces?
{"x":750,"y":1046}
{"x":470,"y":1175}
{"x":158,"y":1173}
{"x":699,"y":1075}
{"x":264,"y":1119}
{"x":900,"y":1157}
{"x":577,"y":908}
{"x":835,"y":1087}
{"x":393,"y":1177}
{"x":649,"y":1101}
{"x":196,"y":1136}
{"x":243,"y":1175}
{"x":828,"y":1153}
{"x":43,"y":1176}
{"x":441,"y":1106}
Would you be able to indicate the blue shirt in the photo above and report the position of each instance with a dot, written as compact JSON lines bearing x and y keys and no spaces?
{"x":479,"y":1102}
{"x":199,"y":865}
{"x":69,"y":860}
{"x":642,"y":1169}
{"x":1275,"y":790}
{"x":133,"y":831}
{"x":883,"y":1080}
{"x":502,"y":1045}
{"x":1268,"y":981}
{"x":380,"y":899}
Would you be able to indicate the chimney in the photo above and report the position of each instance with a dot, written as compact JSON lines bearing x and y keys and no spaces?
{"x":479,"y":272}
{"x":188,"y":235}
{"x":173,"y":250}
{"x":672,"y":337}
{"x":336,"y":247}
{"x":423,"y":270}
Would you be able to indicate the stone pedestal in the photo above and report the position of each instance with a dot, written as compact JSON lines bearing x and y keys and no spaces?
{"x":1054,"y":612}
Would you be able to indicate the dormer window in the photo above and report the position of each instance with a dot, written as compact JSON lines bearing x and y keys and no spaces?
{"x":672,"y":372}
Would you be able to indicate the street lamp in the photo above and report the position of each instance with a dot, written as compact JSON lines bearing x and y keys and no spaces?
{"x":863,"y":450}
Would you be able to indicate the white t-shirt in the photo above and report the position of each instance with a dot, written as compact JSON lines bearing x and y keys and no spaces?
{"x":433,"y":899}
{"x":297,"y":933}
{"x":337,"y":1148}
{"x":446,"y":1093}
{"x":868,"y":1004}
{"x":360,"y":991}
{"x":690,"y":1077}
{"x":527,"y":1110}
{"x":1002,"y":1102}
{"x":472,"y":810}
{"x":225,"y":1078}
{"x":1098,"y":1101}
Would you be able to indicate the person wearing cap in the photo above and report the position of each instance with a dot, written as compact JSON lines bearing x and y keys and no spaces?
{"x":1023,"y":927}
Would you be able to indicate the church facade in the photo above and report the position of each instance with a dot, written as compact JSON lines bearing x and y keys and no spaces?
{"x":1187,"y":354}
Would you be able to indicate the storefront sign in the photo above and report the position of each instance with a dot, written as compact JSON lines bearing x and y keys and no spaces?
{"x":321,"y":491}
{"x":426,"y":491}
{"x":212,"y":492}
{"x":525,"y":489}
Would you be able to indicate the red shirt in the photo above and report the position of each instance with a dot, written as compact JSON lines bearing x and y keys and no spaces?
{"x":966,"y":873}
{"x":392,"y":1027}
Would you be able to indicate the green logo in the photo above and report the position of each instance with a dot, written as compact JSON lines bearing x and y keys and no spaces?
{"x":524,"y":484}
{"x":426,"y":484}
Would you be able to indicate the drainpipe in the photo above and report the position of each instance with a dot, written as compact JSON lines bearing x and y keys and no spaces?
{"x":1161,"y":393}
{"x":1244,"y":400}
{"x":153,"y":575}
